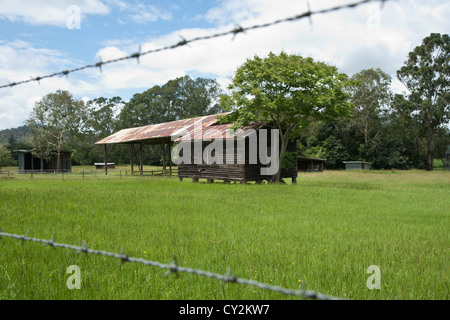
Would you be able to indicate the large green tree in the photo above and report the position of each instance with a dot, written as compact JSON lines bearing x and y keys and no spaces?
{"x":371,"y":95}
{"x":426,"y":74}
{"x":6,"y":158}
{"x":99,"y":121}
{"x":179,"y":98}
{"x":287,"y":92}
{"x":53,"y":122}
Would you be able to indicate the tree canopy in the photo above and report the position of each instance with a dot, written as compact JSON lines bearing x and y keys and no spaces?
{"x":371,"y":96}
{"x":426,"y":74}
{"x":53,"y":122}
{"x":287,"y":92}
{"x":179,"y":98}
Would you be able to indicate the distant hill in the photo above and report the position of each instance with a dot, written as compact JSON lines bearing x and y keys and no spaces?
{"x":17,"y":133}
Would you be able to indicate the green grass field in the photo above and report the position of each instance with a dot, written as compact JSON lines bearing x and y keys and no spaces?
{"x":321,"y":235}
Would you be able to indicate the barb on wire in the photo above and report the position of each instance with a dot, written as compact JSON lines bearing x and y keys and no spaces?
{"x":51,"y":242}
{"x":184,"y":42}
{"x":99,"y":65}
{"x":175,"y":268}
{"x":310,"y":17}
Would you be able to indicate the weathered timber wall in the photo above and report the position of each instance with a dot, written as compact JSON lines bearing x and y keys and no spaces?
{"x":238,"y":169}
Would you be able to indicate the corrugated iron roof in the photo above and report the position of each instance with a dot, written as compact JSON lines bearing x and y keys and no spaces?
{"x":151,"y":133}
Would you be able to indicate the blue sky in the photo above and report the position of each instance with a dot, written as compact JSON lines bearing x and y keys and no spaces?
{"x":37,"y":38}
{"x":138,"y":23}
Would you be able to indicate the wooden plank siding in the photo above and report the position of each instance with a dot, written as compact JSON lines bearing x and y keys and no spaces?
{"x":237,"y":171}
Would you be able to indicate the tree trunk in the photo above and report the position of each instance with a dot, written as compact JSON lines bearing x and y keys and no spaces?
{"x":430,"y":149}
{"x":366,"y":140}
{"x":164,"y":157}
{"x":430,"y":161}
{"x":284,"y":142}
{"x":58,"y":157}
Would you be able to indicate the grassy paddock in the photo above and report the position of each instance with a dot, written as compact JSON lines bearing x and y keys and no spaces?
{"x":321,"y":234}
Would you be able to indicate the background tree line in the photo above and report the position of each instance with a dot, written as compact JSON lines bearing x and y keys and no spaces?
{"x":60,"y":122}
{"x":400,"y":131}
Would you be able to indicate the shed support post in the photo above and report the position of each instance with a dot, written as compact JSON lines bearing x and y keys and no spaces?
{"x":106,"y":159}
{"x":170,"y":158}
{"x":132,"y":155}
{"x":141,"y":159}
{"x":164,"y":158}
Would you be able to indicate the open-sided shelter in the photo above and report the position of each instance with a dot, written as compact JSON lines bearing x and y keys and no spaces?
{"x":30,"y":163}
{"x":308,"y":164}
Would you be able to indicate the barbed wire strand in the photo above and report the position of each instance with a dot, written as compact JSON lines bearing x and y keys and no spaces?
{"x":183,"y":42}
{"x":174,"y":268}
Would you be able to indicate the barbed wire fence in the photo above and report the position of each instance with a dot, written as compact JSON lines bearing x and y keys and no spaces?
{"x":184,"y":42}
{"x":174,"y":268}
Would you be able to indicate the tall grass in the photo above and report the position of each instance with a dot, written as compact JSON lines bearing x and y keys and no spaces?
{"x":321,"y":234}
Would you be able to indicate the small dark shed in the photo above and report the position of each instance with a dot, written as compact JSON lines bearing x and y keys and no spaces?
{"x":101,"y":165}
{"x":357,"y":165}
{"x":30,"y":163}
{"x":306,"y":164}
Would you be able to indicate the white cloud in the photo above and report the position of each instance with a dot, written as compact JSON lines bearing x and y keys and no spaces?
{"x":231,"y":11}
{"x":143,"y":13}
{"x":342,"y":39}
{"x":139,"y":12}
{"x":48,"y":12}
{"x":122,"y":5}
{"x":347,"y":39}
{"x":19,"y":61}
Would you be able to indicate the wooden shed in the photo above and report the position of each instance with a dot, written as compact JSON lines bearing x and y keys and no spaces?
{"x":199,"y":134}
{"x":101,"y":165}
{"x":236,"y":165}
{"x":307,"y":164}
{"x":30,"y":163}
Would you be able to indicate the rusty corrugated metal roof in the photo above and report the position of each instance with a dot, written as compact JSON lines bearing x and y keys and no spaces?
{"x":208,"y":130}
